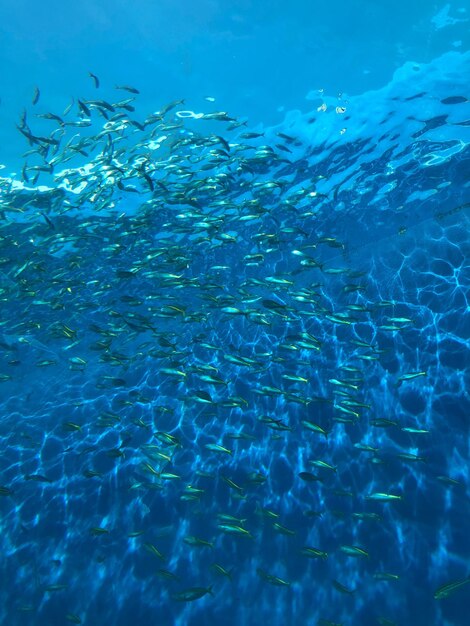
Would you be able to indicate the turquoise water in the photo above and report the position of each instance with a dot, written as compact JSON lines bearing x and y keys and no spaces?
{"x":235,"y":320}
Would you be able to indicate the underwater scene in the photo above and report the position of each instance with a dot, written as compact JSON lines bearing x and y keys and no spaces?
{"x":235,"y":313}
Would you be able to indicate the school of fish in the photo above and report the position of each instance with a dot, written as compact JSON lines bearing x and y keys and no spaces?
{"x":202,"y":359}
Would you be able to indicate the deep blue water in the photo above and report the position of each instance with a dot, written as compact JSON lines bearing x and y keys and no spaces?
{"x":251,"y":303}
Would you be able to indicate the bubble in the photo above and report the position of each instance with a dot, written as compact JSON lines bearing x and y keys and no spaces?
{"x":189,"y":114}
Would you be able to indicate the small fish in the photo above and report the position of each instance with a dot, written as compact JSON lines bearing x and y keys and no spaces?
{"x":46,"y":363}
{"x":197,"y":542}
{"x":214,"y":380}
{"x":400,"y":320}
{"x":295,"y":378}
{"x":454,"y":100}
{"x":39,"y":478}
{"x":169,"y":476}
{"x":410,"y":376}
{"x":367,"y":516}
{"x":95,"y":79}
{"x":315,"y":427}
{"x":413,"y":458}
{"x":203,"y":397}
{"x":273,"y":580}
{"x":217,"y":115}
{"x":283,"y":530}
{"x":127,"y":88}
{"x":98,"y":530}
{"x":192,"y":594}
{"x":92,"y":474}
{"x":56,"y":587}
{"x":384,"y":497}
{"x":171,"y":371}
{"x":324,"y":465}
{"x":166,"y":574}
{"x":167,"y":438}
{"x":342,"y":588}
{"x":232,"y":484}
{"x":266,"y":512}
{"x":215,"y":447}
{"x":36,"y":96}
{"x":343,"y":383}
{"x":447,"y":480}
{"x":221,"y":570}
{"x":251,"y":135}
{"x":170,"y":106}
{"x":309,"y":477}
{"x":231,"y":529}
{"x":231,"y":519}
{"x":83,"y":108}
{"x":381,"y":422}
{"x":354,"y":551}
{"x":449,"y":588}
{"x":415,"y":431}
{"x":365,"y":447}
{"x":151,"y":549}
{"x":313,"y":553}
{"x":386,"y":576}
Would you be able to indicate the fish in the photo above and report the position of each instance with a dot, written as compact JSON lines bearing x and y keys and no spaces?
{"x":232,"y":529}
{"x":314,"y":553}
{"x":354,"y":551}
{"x":342,"y":588}
{"x":55,"y":587}
{"x":367,"y":516}
{"x":444,"y":591}
{"x":384,"y":497}
{"x":197,"y":542}
{"x":232,"y":484}
{"x":382,"y":422}
{"x":36,"y":96}
{"x":315,"y":427}
{"x":309,"y":477}
{"x":324,"y":465}
{"x":283,"y":530}
{"x":151,"y":549}
{"x":415,"y":431}
{"x":387,"y":576}
{"x":215,"y":447}
{"x":192,"y":594}
{"x":219,"y":569}
{"x":128,"y":88}
{"x":39,"y":478}
{"x":273,"y":580}
{"x":84,"y":110}
{"x":231,"y":519}
{"x":167,"y":575}
{"x":413,"y":458}
{"x":410,"y":376}
{"x":96,"y":80}
{"x":448,"y":480}
{"x":98,"y":530}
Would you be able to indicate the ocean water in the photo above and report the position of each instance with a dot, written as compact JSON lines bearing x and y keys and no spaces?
{"x":234,"y":313}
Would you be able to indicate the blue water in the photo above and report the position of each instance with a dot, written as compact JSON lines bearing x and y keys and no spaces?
{"x":194,"y":309}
